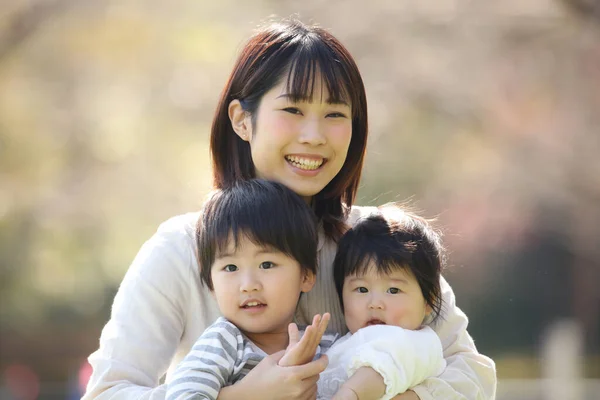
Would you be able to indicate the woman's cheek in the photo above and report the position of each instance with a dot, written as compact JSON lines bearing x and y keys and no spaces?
{"x":280,"y":127}
{"x":341,"y":135}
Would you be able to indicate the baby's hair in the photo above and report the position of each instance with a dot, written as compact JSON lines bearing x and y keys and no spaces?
{"x":267,"y":213}
{"x":393,"y":239}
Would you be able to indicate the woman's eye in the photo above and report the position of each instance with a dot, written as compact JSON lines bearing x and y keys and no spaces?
{"x":393,"y":290}
{"x":266,"y":265}
{"x":230,"y":268}
{"x":292,"y":110}
{"x":336,"y":115}
{"x":362,"y":289}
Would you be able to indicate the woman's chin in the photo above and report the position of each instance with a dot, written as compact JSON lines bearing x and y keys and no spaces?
{"x":307,"y":193}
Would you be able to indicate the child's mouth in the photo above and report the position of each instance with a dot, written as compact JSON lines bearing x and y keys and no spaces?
{"x":375,"y":322}
{"x":253,"y":305}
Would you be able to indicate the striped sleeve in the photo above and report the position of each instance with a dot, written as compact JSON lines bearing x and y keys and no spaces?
{"x":209,"y":365}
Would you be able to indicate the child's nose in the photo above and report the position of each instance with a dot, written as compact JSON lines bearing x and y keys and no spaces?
{"x":250,"y":284}
{"x":375,"y":302}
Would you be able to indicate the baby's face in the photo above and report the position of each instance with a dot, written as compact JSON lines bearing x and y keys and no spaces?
{"x":375,"y":299}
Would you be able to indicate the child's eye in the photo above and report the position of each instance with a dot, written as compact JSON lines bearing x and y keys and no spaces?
{"x":230,"y":268}
{"x":292,"y":110}
{"x":393,"y":290}
{"x":336,"y":115}
{"x":362,"y":289}
{"x":266,"y":265}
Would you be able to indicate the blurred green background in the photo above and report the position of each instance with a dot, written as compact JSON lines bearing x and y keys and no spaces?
{"x":485,"y":114}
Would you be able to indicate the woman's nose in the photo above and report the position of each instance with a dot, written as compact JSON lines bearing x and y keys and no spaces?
{"x":312,"y":133}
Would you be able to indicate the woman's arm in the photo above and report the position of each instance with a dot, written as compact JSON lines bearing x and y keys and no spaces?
{"x":468,"y":374}
{"x":147,"y":321}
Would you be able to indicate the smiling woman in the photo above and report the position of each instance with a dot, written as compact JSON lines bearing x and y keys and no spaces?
{"x":295,"y":97}
{"x":293,"y":110}
{"x":302,"y":144}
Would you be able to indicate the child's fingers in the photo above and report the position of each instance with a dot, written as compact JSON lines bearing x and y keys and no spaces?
{"x":316,"y":320}
{"x":293,"y":333}
{"x":323,"y":324}
{"x":308,"y":339}
{"x":316,"y":334}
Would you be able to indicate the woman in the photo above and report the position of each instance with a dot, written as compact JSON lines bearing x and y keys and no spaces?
{"x":294,"y":111}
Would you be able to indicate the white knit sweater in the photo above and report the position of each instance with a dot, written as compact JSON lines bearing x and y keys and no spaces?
{"x":162,"y":307}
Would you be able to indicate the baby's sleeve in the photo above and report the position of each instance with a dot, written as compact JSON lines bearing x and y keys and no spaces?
{"x":402,"y":357}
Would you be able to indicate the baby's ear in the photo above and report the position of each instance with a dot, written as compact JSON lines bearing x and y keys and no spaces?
{"x":428,"y":309}
{"x":308,"y":281}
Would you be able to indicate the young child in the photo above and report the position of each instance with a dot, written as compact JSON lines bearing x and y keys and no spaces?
{"x":387,"y":275}
{"x":259,"y":251}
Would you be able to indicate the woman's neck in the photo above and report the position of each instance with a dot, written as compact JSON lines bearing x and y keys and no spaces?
{"x":269,"y":342}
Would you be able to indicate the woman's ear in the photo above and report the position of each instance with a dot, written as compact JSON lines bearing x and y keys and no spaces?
{"x":240,"y":120}
{"x":308,"y":282}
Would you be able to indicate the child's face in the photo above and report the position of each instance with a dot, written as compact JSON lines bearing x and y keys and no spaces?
{"x":393,"y":299}
{"x":257,"y":289}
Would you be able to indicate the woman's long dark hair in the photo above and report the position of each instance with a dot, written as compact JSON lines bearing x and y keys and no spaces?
{"x":298,"y":53}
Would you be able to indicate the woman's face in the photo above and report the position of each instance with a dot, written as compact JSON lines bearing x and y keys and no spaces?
{"x":302,"y":145}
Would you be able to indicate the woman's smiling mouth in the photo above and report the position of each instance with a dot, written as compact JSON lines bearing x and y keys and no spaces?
{"x":305,"y":163}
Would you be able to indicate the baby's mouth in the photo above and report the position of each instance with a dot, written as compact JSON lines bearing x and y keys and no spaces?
{"x":375,"y":322}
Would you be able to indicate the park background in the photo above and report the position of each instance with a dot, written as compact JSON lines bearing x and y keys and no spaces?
{"x":485,"y":114}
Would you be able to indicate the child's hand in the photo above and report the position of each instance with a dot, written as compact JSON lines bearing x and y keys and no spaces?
{"x":302,"y":351}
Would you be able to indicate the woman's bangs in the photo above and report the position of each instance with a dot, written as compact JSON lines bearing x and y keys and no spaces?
{"x":311,"y":63}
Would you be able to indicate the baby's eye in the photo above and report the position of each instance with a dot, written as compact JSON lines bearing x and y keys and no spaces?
{"x":230,"y":268}
{"x":393,"y":290}
{"x":362,"y":289}
{"x":266,"y":265}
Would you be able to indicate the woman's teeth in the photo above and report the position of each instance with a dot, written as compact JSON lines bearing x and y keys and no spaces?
{"x":304,"y":163}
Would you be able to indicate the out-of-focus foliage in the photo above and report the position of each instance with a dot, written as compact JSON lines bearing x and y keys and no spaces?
{"x":485,"y":114}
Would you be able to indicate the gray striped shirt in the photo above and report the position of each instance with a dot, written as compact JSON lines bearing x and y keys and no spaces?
{"x":220,"y":357}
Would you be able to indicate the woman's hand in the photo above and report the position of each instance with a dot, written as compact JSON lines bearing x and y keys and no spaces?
{"x":301,"y":351}
{"x":281,"y":383}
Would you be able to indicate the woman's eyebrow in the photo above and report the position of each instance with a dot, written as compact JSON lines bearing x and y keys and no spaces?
{"x":328,"y":101}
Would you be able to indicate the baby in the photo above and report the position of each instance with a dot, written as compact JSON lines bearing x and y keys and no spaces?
{"x":387,"y":276}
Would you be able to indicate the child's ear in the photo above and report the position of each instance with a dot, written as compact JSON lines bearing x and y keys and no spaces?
{"x":240,"y":120}
{"x":308,"y":282}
